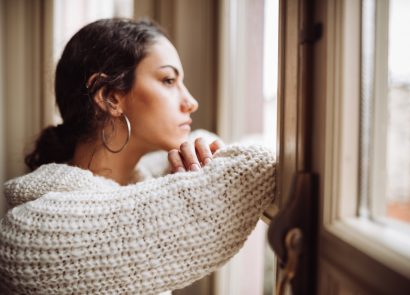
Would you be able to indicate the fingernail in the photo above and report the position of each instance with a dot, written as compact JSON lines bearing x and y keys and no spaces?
{"x":194,"y":167}
{"x":180,"y":169}
{"x":207,"y":160}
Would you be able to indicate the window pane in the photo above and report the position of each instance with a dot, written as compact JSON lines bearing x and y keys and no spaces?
{"x":398,"y":108}
{"x":385,"y":113}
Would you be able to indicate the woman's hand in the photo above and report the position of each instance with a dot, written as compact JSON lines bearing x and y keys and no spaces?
{"x":192,"y":156}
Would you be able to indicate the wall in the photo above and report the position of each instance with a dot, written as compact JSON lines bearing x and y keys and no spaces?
{"x":2,"y":110}
{"x":25,"y":108}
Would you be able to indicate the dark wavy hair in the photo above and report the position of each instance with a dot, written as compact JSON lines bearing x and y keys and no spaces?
{"x":112,"y":47}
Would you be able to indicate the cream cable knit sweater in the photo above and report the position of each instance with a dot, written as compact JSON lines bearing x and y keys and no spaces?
{"x":75,"y":233}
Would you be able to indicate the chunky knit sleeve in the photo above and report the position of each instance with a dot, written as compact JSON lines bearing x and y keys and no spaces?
{"x":161,"y":234}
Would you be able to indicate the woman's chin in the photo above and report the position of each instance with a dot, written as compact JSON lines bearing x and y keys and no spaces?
{"x":176,"y":143}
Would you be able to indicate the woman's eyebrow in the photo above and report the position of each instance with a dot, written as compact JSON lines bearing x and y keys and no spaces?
{"x":172,"y":67}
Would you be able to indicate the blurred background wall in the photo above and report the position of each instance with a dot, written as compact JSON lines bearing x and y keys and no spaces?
{"x":2,"y":112}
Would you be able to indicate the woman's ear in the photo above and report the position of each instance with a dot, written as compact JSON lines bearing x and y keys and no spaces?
{"x":111,"y":102}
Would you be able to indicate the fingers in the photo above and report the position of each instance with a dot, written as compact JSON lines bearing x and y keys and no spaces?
{"x":177,"y":164}
{"x":203,"y":151}
{"x":189,"y":156}
{"x":216,"y":145}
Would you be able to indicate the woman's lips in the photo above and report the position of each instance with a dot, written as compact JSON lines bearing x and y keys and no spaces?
{"x":186,"y":125}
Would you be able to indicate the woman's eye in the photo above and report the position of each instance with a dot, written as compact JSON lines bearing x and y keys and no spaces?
{"x":169,"y":81}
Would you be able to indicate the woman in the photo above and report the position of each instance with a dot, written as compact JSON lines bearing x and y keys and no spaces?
{"x":81,"y":223}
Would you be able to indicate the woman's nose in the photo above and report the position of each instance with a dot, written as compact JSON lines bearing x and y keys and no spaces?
{"x":189,"y":103}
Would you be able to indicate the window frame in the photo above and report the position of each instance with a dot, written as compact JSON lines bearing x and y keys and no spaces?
{"x":367,"y":243}
{"x":379,"y":119}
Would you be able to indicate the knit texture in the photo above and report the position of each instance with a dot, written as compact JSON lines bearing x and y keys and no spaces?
{"x":75,"y":233}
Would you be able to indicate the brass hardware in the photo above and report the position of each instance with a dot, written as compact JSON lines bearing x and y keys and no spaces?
{"x":292,"y":236}
{"x":294,"y":244}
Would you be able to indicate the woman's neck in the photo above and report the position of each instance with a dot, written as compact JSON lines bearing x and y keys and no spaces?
{"x":119,"y":167}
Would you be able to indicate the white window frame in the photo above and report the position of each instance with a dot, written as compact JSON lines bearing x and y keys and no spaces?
{"x":341,"y":178}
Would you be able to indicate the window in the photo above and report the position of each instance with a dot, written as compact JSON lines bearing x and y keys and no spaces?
{"x":385,"y":193}
{"x":385,"y":113}
{"x":359,"y":134}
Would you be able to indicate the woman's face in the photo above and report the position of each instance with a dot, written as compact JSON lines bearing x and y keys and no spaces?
{"x":159,"y":105}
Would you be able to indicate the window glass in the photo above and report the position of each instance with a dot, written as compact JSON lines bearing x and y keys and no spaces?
{"x":385,"y":113}
{"x":398,"y":109}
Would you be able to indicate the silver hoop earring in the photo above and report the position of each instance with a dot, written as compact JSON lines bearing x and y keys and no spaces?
{"x":104,"y":141}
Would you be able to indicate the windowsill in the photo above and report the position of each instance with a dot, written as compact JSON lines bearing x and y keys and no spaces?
{"x":386,"y":245}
